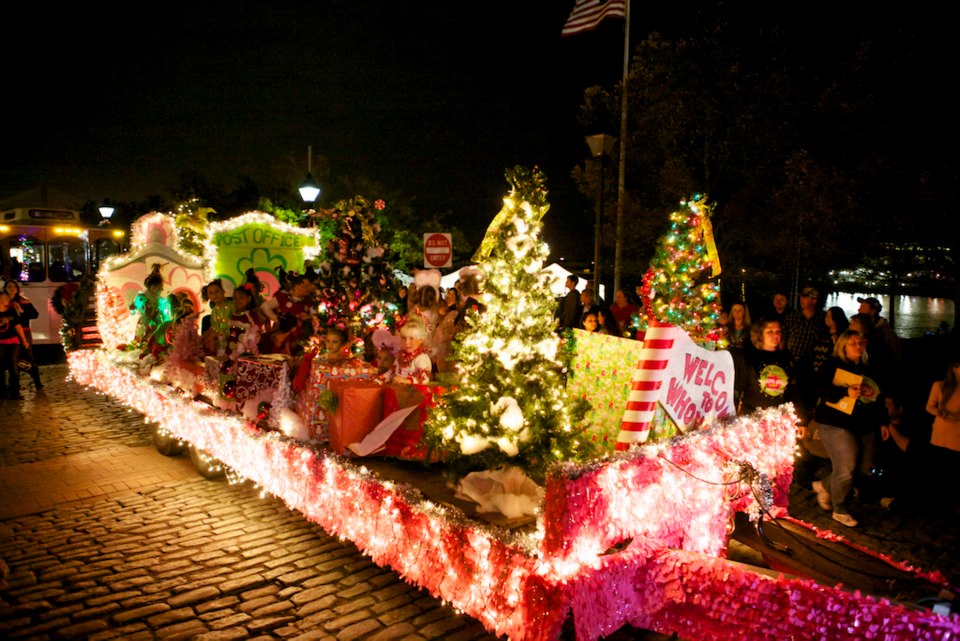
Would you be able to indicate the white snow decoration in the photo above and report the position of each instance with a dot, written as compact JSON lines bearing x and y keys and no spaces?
{"x":470,"y":444}
{"x":506,"y":490}
{"x":511,"y":416}
{"x":507,"y":446}
{"x":292,"y":425}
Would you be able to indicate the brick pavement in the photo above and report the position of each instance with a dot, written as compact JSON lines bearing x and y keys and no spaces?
{"x":105,"y":539}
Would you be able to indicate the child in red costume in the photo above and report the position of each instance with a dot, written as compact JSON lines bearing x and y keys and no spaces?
{"x":412,"y":363}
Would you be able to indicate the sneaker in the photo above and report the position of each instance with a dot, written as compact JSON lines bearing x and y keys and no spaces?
{"x":844,"y":519}
{"x":823,"y":495}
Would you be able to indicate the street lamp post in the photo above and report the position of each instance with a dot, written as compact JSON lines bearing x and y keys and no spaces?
{"x":309,"y":189}
{"x":600,"y":147}
{"x":106,"y":213}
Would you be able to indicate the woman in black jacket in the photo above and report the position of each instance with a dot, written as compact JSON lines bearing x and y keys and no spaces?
{"x":764,"y":370}
{"x":846,"y":416}
{"x":26,"y":312}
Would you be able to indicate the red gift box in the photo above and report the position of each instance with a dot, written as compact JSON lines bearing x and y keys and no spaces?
{"x":321,"y":374}
{"x":404,"y":443}
{"x":359,"y":410}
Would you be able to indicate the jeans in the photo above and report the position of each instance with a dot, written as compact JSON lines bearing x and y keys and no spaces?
{"x":10,"y":370}
{"x":843,"y":447}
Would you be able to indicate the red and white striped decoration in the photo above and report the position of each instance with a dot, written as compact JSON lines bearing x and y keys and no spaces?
{"x":645,"y":386}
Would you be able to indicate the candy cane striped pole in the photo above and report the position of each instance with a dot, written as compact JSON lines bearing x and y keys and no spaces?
{"x":645,"y":386}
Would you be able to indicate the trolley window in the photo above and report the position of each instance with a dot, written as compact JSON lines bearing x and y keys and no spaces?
{"x":21,"y":259}
{"x":103,"y":249}
{"x":68,"y":259}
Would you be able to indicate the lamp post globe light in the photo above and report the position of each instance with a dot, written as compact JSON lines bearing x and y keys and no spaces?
{"x":600,"y":147}
{"x":106,"y":213}
{"x":309,"y":189}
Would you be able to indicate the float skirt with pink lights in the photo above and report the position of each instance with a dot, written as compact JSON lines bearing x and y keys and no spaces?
{"x":637,"y":538}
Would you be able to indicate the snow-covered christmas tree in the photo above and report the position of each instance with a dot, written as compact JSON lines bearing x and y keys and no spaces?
{"x":681,"y":287}
{"x":509,"y":405}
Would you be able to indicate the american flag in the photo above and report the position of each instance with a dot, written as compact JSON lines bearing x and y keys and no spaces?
{"x":587,"y":14}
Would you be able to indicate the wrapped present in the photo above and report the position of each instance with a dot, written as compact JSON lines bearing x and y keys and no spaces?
{"x":405,"y":442}
{"x":211,"y":366}
{"x":309,"y":403}
{"x":359,"y":408}
{"x":603,"y":367}
{"x":262,"y":379}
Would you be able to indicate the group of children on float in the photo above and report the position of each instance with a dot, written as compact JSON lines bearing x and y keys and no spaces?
{"x":247,"y":323}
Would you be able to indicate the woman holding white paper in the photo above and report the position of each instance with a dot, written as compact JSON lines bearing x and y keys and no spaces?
{"x":846,"y":417}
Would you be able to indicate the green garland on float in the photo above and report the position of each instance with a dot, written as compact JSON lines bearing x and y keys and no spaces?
{"x":74,"y":308}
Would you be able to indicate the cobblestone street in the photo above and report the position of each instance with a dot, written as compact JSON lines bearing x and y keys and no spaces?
{"x":107,"y":539}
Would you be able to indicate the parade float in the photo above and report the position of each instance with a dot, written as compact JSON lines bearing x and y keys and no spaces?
{"x":611,"y":471}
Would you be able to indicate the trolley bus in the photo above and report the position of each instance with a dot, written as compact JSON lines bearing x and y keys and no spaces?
{"x":44,"y":249}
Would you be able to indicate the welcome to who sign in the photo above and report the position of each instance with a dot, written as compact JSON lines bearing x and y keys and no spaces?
{"x":693,"y":385}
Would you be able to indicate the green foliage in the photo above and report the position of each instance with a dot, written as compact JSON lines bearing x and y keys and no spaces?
{"x":285,"y":215}
{"x":191,"y":221}
{"x":680,"y":287}
{"x":74,"y":311}
{"x":355,"y":278}
{"x":509,"y":406}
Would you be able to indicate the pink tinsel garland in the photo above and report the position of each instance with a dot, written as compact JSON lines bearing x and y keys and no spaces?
{"x":669,"y":500}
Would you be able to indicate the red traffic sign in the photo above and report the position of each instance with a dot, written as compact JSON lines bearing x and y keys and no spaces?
{"x":437,"y":250}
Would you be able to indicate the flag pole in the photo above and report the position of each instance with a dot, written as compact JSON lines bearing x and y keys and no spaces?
{"x":621,"y":181}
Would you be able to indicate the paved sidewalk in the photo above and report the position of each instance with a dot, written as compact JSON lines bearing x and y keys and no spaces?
{"x":104,"y":538}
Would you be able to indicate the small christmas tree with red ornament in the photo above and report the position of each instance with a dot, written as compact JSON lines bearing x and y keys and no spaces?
{"x":681,"y":287}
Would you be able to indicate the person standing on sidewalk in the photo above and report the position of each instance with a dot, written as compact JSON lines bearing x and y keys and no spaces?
{"x":22,"y":305}
{"x":846,"y":417}
{"x":11,"y":337}
{"x":944,"y":404}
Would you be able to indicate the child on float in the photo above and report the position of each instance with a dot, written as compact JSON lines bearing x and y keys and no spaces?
{"x":380,"y":349}
{"x":147,"y":303}
{"x":244,"y":325}
{"x":412,"y":363}
{"x":337,"y":348}
{"x":215,"y":328}
{"x":281,"y":339}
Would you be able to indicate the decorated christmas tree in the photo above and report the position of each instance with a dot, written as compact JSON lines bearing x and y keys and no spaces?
{"x":191,"y":220}
{"x":355,"y":281}
{"x":681,"y":288}
{"x":509,"y":406}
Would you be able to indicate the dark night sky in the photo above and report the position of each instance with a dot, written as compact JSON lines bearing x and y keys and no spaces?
{"x":434,"y":99}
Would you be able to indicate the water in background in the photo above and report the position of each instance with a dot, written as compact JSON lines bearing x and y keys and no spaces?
{"x":915,"y":315}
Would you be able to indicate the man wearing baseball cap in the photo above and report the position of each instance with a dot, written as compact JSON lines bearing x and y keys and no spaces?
{"x":883,"y":329}
{"x":803,"y":330}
